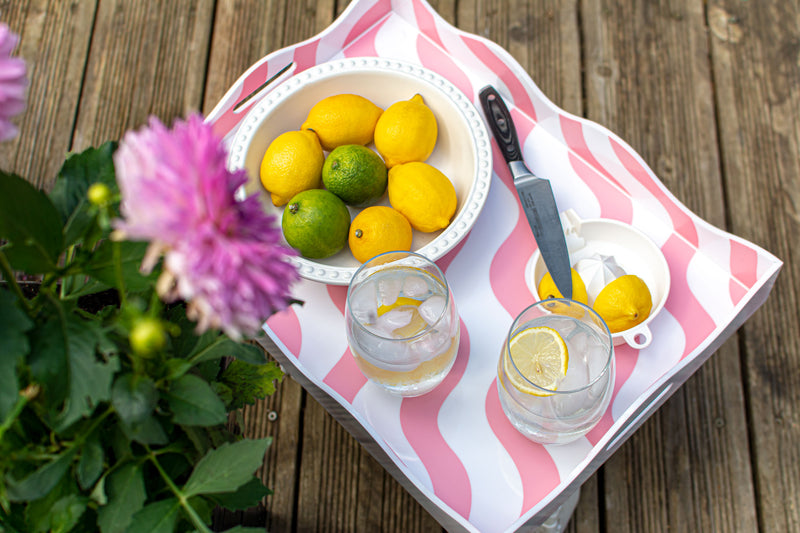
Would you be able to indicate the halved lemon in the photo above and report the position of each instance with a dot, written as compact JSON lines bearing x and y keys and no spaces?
{"x":541,"y":356}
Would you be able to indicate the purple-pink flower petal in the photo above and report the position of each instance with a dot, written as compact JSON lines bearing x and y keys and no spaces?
{"x":222,"y":256}
{"x":13,"y":83}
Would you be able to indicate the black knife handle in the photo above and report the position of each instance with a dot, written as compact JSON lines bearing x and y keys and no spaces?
{"x":500,"y":123}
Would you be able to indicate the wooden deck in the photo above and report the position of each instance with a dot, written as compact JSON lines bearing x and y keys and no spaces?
{"x":707,"y":91}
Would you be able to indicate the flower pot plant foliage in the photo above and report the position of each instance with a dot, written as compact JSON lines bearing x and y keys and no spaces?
{"x":113,"y":398}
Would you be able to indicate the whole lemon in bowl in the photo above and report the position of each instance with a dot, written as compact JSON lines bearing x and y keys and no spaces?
{"x":292,"y":164}
{"x":378,"y":229}
{"x":406,"y":132}
{"x":547,"y":288}
{"x":343,"y":119}
{"x":624,"y":303}
{"x":423,"y":194}
{"x":355,"y":174}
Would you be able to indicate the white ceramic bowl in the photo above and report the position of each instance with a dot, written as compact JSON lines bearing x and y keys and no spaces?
{"x":635,"y":252}
{"x":462,"y":152}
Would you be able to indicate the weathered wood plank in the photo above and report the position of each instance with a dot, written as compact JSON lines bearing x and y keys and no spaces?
{"x":244,"y":32}
{"x":146,"y":58}
{"x":757,"y":77}
{"x":648,"y":79}
{"x":54,"y":41}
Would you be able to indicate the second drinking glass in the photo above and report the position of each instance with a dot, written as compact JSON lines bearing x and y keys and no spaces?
{"x":555,"y":376}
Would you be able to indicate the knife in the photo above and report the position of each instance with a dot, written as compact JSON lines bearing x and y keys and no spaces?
{"x":534,"y":193}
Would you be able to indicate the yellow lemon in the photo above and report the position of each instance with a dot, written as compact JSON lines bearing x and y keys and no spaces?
{"x":406,"y":132}
{"x":547,"y":288}
{"x":540,"y":355}
{"x":423,"y":194}
{"x":378,"y":229}
{"x":292,"y":164}
{"x":343,"y":119}
{"x":624,"y":303}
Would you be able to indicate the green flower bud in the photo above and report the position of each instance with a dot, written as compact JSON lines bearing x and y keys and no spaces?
{"x":147,"y":337}
{"x":99,"y":194}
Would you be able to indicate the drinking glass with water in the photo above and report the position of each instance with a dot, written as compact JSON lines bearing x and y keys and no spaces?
{"x":402,"y":323}
{"x":556,"y":371}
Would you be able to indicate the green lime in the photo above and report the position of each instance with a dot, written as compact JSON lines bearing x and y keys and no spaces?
{"x":355,"y":174}
{"x":315,"y":223}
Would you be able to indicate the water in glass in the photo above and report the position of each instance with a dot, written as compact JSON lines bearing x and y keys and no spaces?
{"x":581,"y":397}
{"x":402,"y":324}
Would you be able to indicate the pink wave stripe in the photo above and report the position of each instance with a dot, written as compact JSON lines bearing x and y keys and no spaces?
{"x":373,"y":15}
{"x":364,"y":45}
{"x":625,"y":359}
{"x":445,"y":261}
{"x":507,"y":268}
{"x":613,"y":202}
{"x":498,"y":67}
{"x":345,"y":377}
{"x":744,"y":270}
{"x":419,"y":421}
{"x":338,"y":295}
{"x":697,"y":324}
{"x":736,"y":291}
{"x":225,"y":123}
{"x":681,"y":221}
{"x":572,"y":130}
{"x":435,"y":59}
{"x":535,"y":466}
{"x":523,"y":124}
{"x":426,"y":22}
{"x":305,"y":56}
{"x":744,"y":263}
{"x":286,"y":326}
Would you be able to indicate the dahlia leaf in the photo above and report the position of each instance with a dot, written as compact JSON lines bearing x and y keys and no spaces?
{"x":13,"y":347}
{"x":157,"y":517}
{"x":126,"y":495}
{"x":31,"y":224}
{"x":227,"y":468}
{"x":248,"y":495}
{"x":40,"y":482}
{"x":79,"y":171}
{"x":194,"y":403}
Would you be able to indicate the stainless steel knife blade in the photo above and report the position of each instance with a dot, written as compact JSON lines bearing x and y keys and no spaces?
{"x":535,"y":194}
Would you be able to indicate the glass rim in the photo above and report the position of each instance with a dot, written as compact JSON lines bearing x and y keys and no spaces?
{"x":513,"y":330}
{"x":428,"y":327}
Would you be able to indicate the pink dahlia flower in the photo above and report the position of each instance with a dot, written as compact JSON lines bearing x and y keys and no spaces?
{"x":13,"y":83}
{"x":222,"y":256}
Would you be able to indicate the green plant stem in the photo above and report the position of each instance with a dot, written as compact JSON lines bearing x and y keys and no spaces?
{"x":68,"y":256}
{"x":25,"y":395}
{"x":118,"y":273}
{"x":81,"y":439}
{"x":184,"y":501}
{"x":11,"y":279}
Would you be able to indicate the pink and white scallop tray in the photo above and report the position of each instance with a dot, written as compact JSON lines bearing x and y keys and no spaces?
{"x":453,"y":449}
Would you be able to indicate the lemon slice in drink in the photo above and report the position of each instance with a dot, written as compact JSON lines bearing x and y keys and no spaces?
{"x":540,"y":355}
{"x":401,"y":300}
{"x":415,"y":325}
